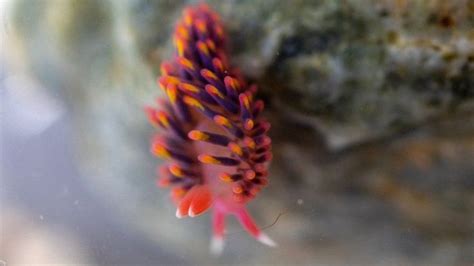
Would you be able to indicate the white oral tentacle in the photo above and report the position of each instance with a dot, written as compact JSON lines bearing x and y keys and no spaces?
{"x":265,"y":239}
{"x":217,"y":245}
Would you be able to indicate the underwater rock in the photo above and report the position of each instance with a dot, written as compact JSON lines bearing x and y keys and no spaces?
{"x":371,"y":104}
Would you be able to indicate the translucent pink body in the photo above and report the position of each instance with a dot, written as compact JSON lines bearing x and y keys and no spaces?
{"x":213,"y":134}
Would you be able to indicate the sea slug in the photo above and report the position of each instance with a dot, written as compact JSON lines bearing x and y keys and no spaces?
{"x":211,"y":129}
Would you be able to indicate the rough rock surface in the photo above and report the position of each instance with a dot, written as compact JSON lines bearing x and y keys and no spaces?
{"x":372,"y":104}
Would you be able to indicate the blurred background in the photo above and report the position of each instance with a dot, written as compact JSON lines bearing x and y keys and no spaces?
{"x":372,"y":111}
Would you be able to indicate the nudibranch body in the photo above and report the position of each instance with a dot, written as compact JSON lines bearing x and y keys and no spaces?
{"x":212,"y":132}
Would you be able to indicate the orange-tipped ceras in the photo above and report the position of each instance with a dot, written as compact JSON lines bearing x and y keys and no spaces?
{"x":212,"y":132}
